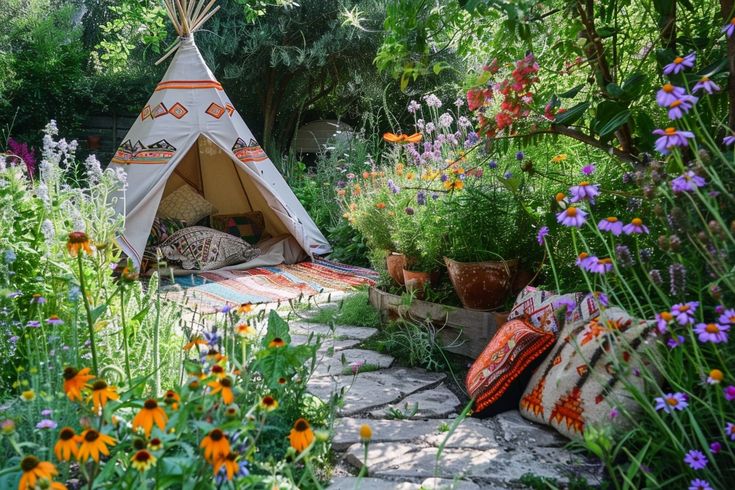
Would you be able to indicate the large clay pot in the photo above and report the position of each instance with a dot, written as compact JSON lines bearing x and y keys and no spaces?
{"x":482,"y":285}
{"x":395,"y":264}
{"x":94,"y":141}
{"x":417,"y":282}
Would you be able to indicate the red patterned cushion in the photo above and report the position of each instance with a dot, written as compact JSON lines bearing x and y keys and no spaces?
{"x":515,"y":345}
{"x":538,"y":307}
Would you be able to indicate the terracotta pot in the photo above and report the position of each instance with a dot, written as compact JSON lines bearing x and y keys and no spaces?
{"x":94,"y":141}
{"x":417,"y":282}
{"x":482,"y":285}
{"x":395,"y":263}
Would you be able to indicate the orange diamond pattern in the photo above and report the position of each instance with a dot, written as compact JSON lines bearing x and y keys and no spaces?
{"x":569,"y":410}
{"x":215,"y":110}
{"x":533,"y":401}
{"x":178,"y":111}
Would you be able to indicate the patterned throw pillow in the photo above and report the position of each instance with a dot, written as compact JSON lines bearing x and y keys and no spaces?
{"x":583,"y":376}
{"x":163,"y":228}
{"x":248,"y":226}
{"x":185,"y":204}
{"x":512,"y":349}
{"x":201,"y":248}
{"x":537,"y":307}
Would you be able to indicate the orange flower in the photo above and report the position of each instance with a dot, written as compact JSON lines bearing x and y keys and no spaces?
{"x":277,"y":342}
{"x":224,"y":386}
{"x":365,"y":174}
{"x":218,"y":371}
{"x":101,"y":392}
{"x":35,"y":470}
{"x":380,"y":205}
{"x":216,"y":445}
{"x":172,"y":399}
{"x":193,"y":342}
{"x":402,"y":139}
{"x":94,"y":443}
{"x":245,"y":308}
{"x":341,"y":192}
{"x":268,"y":403}
{"x":301,"y":435}
{"x":454,"y":184}
{"x":245,"y":330}
{"x":229,"y":462}
{"x":142,"y":460}
{"x":366,"y":433}
{"x":68,"y":444}
{"x":150,"y":413}
{"x":78,"y":241}
{"x":75,"y":381}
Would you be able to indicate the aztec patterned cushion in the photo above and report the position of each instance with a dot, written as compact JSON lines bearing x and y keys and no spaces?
{"x":163,"y":228}
{"x":583,"y":376}
{"x":537,"y":307}
{"x":185,"y":204}
{"x":201,"y":248}
{"x":248,"y":226}
{"x":513,"y":348}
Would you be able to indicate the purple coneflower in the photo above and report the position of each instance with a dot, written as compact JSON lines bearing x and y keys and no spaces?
{"x":699,"y":484}
{"x":728,"y":140}
{"x":572,"y":216}
{"x":662,"y":321}
{"x":541,"y":235}
{"x":611,"y":224}
{"x":38,"y":299}
{"x":46,"y":424}
{"x":707,"y":85}
{"x":671,"y":138}
{"x":635,"y":226}
{"x":589,"y":169}
{"x":600,"y":266}
{"x":33,"y":324}
{"x":602,"y":298}
{"x":675,"y":342}
{"x":688,"y":182}
{"x":730,"y":430}
{"x":679,"y":64}
{"x":668,"y":94}
{"x":727,"y":317}
{"x":55,"y":320}
{"x":585,"y":261}
{"x":681,"y":106}
{"x":695,"y":459}
{"x":711,"y":332}
{"x":729,"y":392}
{"x":729,"y":28}
{"x":671,"y":401}
{"x":684,"y":312}
{"x":584,"y":190}
{"x":715,"y":447}
{"x":565,"y":302}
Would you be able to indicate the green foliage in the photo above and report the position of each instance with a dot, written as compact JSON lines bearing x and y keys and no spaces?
{"x":354,"y":309}
{"x":414,"y":343}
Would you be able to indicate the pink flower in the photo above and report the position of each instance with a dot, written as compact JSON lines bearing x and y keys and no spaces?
{"x":589,"y":169}
{"x":668,"y":94}
{"x":671,"y":138}
{"x":611,"y":224}
{"x":583,"y":191}
{"x":705,"y":84}
{"x":711,"y":332}
{"x":635,"y":226}
{"x":572,"y":216}
{"x":671,"y":401}
{"x":679,"y":64}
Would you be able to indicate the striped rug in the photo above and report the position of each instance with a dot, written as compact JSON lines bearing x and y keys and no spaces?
{"x":213,"y":290}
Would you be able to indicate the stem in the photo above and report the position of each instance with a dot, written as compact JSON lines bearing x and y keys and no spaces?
{"x":156,"y":336}
{"x":90,"y":321}
{"x":125,"y":337}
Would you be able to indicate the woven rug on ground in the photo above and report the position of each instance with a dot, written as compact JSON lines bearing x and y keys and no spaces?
{"x":215,"y":289}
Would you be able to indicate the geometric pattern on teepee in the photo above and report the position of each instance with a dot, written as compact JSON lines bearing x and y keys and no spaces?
{"x":159,"y":110}
{"x":157,"y":153}
{"x":248,"y":152}
{"x":215,"y":110}
{"x":146,"y":113}
{"x":569,"y":410}
{"x":230,"y":109}
{"x":178,"y":111}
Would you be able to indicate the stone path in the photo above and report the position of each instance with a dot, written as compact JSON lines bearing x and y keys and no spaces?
{"x":410,"y":412}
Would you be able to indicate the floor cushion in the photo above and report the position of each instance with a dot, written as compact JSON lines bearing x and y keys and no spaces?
{"x":162,"y":228}
{"x":509,"y":353}
{"x":539,"y":307}
{"x":248,"y":226}
{"x":582,"y":378}
{"x":201,"y":248}
{"x":185,"y":204}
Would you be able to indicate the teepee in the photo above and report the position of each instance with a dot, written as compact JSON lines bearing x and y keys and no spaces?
{"x":190,"y":133}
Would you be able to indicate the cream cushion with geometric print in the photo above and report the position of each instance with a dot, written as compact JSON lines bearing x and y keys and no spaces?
{"x":185,"y":204}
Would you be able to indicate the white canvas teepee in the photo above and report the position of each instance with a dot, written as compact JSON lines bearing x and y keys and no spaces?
{"x":190,"y":133}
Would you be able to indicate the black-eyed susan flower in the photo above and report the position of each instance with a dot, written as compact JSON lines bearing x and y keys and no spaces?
{"x":224,"y":387}
{"x":34,"y":471}
{"x":142,"y":460}
{"x":215,"y":445}
{"x":101,"y":393}
{"x":193,"y":342}
{"x":245,"y":330}
{"x":78,"y":241}
{"x":172,"y":399}
{"x":28,"y":395}
{"x":229,"y":462}
{"x":268,"y":403}
{"x":93,"y":444}
{"x":218,"y":371}
{"x":75,"y":381}
{"x":277,"y":342}
{"x":155,"y":444}
{"x":301,"y":435}
{"x":67,"y":446}
{"x":245,"y":308}
{"x":150,"y":414}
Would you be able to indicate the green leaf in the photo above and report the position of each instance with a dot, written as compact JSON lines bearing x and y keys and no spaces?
{"x":572,"y":114}
{"x":572,"y":92}
{"x":634,"y":84}
{"x":98,"y":312}
{"x":610,"y":116}
{"x":614,"y":123}
{"x":277,"y":328}
{"x":614,"y":90}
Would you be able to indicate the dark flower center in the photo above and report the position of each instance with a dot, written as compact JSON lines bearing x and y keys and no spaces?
{"x":138,"y":443}
{"x":231,"y":456}
{"x":99,"y":385}
{"x":66,"y":433}
{"x":142,"y":456}
{"x":217,"y":369}
{"x":69,"y":373}
{"x":91,"y":436}
{"x":226,"y":382}
{"x":268,"y":400}
{"x":29,"y":463}
{"x":155,"y":441}
{"x":301,"y":425}
{"x":150,"y":404}
{"x":78,"y":237}
{"x":281,"y":381}
{"x":216,"y":435}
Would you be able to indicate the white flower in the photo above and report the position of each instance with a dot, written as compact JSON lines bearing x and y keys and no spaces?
{"x":432,"y":101}
{"x":42,"y":193}
{"x":420,"y":124}
{"x":429,"y":128}
{"x":51,"y":128}
{"x":459,"y":102}
{"x":413,"y":106}
{"x":94,"y":170}
{"x":48,"y":230}
{"x":463,"y":122}
{"x":445,"y":120}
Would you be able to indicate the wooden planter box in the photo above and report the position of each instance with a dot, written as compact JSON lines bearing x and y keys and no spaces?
{"x":461,"y":331}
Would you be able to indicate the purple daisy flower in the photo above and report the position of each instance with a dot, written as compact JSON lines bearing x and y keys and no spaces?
{"x":583,"y":191}
{"x":699,"y":484}
{"x":589,"y":169}
{"x":602,"y":298}
{"x":729,"y":392}
{"x":684,"y":312}
{"x":679,"y":64}
{"x":37,"y":298}
{"x":730,"y":430}
{"x":635,"y":226}
{"x":711,"y":332}
{"x":675,"y":342}
{"x":662,"y":322}
{"x":46,"y":424}
{"x":33,"y":324}
{"x":729,"y":28}
{"x":696,"y":459}
{"x":668,"y":94}
{"x":727,"y":317}
{"x":600,"y":266}
{"x":687,"y":182}
{"x":671,"y":138}
{"x":681,"y":106}
{"x":671,"y":401}
{"x":572,"y":216}
{"x":707,"y":85}
{"x":541,"y":236}
{"x":611,"y":224}
{"x":728,"y":140}
{"x":715,"y":447}
{"x":55,"y":321}
{"x":585,"y":261}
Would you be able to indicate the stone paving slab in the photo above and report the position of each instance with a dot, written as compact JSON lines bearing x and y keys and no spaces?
{"x":346,"y":430}
{"x":355,"y":483}
{"x":517,"y":430}
{"x":327,"y":342}
{"x":340,"y":331}
{"x":470,"y":434}
{"x":371,"y":390}
{"x":436,"y":403}
{"x":333,"y":365}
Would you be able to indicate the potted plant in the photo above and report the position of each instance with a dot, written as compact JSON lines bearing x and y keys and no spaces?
{"x":487,"y":232}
